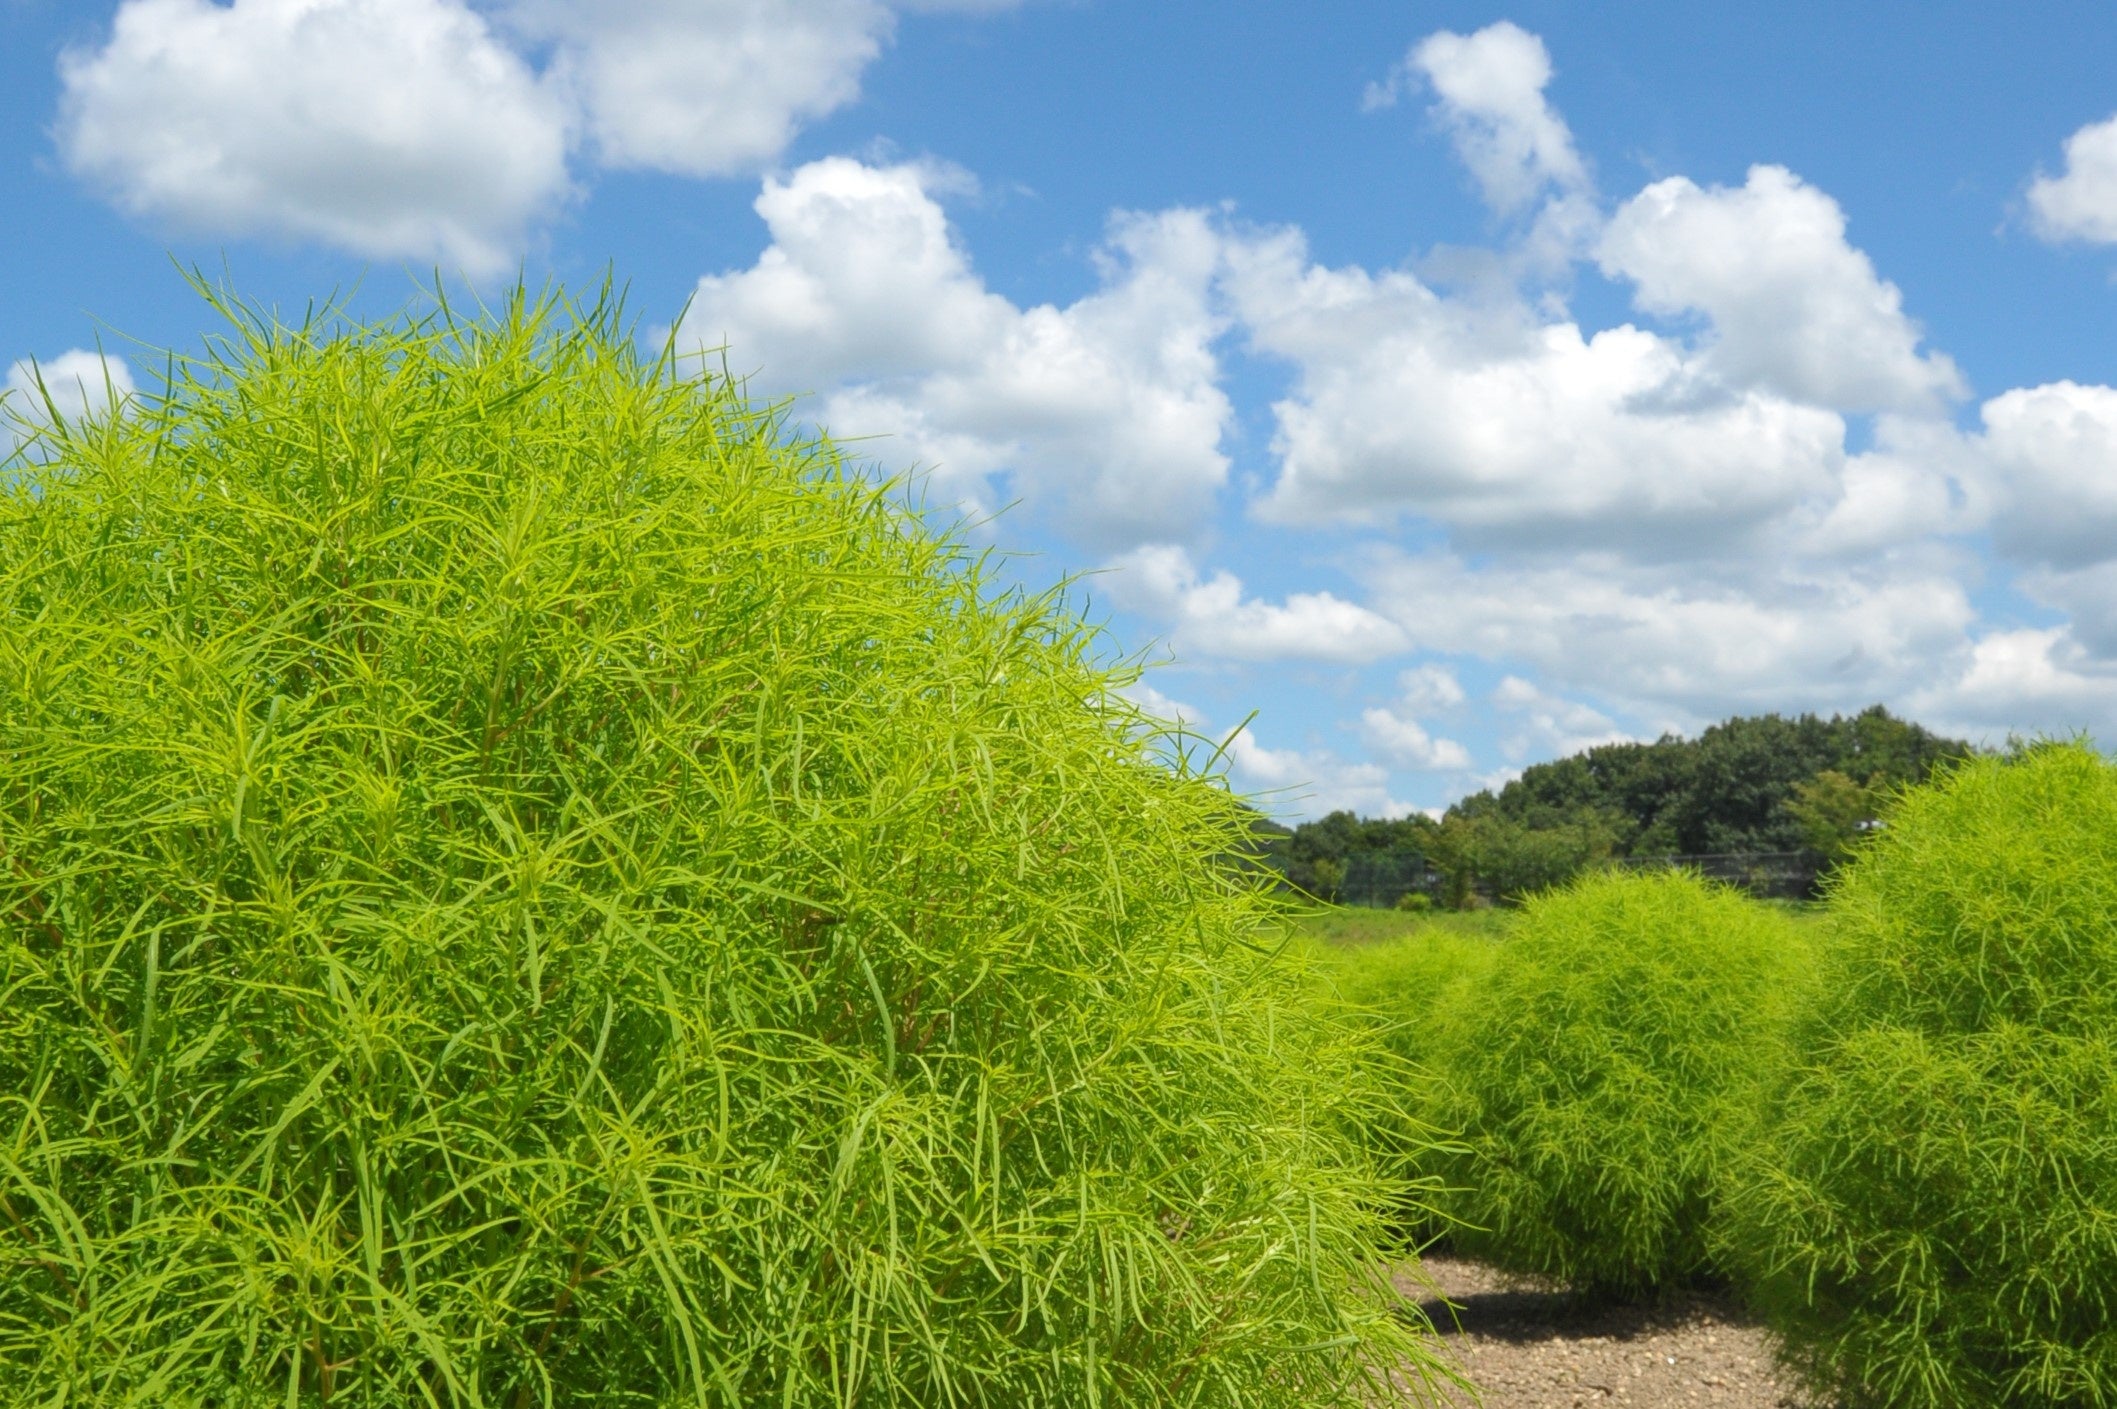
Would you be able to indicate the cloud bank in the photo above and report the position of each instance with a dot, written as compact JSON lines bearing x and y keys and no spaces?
{"x":1756,"y":487}
{"x":431,"y":129}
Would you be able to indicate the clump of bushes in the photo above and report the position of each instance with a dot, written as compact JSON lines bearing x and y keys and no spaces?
{"x":526,"y":883}
{"x":1932,"y":1218}
{"x":1602,"y":1074}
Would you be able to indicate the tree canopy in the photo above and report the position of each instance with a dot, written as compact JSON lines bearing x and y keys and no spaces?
{"x":1761,"y":783}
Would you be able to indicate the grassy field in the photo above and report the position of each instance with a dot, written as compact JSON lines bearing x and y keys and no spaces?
{"x":1351,"y":926}
{"x":1348,"y":926}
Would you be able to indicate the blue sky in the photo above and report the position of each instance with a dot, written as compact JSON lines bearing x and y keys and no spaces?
{"x":1453,"y":385}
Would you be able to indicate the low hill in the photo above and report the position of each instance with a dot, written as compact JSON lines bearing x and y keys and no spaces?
{"x":1762,"y":783}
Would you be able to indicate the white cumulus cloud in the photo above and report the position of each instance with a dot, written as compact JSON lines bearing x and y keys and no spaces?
{"x":1311,"y":782}
{"x":704,"y":87}
{"x":1107,"y":412}
{"x":1210,"y":616}
{"x":1489,"y":88}
{"x":1672,"y":641}
{"x":863,"y":277}
{"x":1430,"y":688}
{"x":2080,"y":203}
{"x":2014,"y":676}
{"x":1397,"y":733}
{"x":2052,"y":459}
{"x":1545,"y":725}
{"x":2088,"y":597}
{"x":419,"y":128}
{"x":1922,"y":480}
{"x":1794,"y":308}
{"x":1156,"y":705}
{"x":1286,"y":782}
{"x":386,"y":127}
{"x":1405,"y":741}
{"x":1507,"y":426}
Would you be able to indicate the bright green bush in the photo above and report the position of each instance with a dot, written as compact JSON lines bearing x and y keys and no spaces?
{"x":1409,"y":990}
{"x":1602,"y":1075}
{"x":1932,"y":1220}
{"x":1410,"y":986}
{"x":527,"y":884}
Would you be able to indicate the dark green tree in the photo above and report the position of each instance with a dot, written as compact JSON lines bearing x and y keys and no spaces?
{"x":1316,"y":857}
{"x":1728,"y":790}
{"x":1749,"y":784}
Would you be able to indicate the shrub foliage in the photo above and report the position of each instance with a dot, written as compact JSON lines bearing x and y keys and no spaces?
{"x":526,"y":883}
{"x":1412,"y":986}
{"x":1933,"y":1218}
{"x":1601,"y":1071}
{"x":1411,"y":989}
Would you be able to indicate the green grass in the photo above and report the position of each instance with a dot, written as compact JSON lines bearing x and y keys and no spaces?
{"x":1345,"y":925}
{"x":1932,"y":1220}
{"x":1600,"y":1073}
{"x":526,"y":884}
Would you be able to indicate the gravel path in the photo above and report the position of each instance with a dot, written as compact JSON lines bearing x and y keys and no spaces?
{"x":1528,"y":1347}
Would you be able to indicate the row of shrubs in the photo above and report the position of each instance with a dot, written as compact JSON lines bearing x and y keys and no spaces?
{"x":524,"y":881}
{"x":1893,"y":1128}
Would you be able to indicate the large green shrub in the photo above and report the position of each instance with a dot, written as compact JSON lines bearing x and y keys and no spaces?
{"x":526,"y":884}
{"x":1602,"y":1074}
{"x":1933,"y":1217}
{"x":1410,"y":990}
{"x":1411,"y":985}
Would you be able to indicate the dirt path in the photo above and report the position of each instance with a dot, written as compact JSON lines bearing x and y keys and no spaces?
{"x":1528,"y":1347}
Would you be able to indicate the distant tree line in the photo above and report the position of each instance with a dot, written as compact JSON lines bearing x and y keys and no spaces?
{"x":1763,"y":783}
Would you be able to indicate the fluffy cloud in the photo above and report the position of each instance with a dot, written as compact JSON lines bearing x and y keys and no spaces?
{"x":1429,"y":688}
{"x":1403,"y":740}
{"x":2045,"y":472}
{"x":712,"y":87}
{"x":1544,"y":725}
{"x":2080,"y":203}
{"x":1515,"y":429}
{"x":2011,"y":677}
{"x":1396,"y":733}
{"x":1667,"y":523}
{"x":416,"y":128}
{"x":1508,"y":427}
{"x":386,"y":127}
{"x":2088,"y":597}
{"x":2051,"y":455}
{"x":1794,"y":309}
{"x":1156,"y":705}
{"x":1490,"y":91}
{"x":704,"y":87}
{"x":1107,"y":412}
{"x":1922,"y":479}
{"x":1210,"y":616}
{"x":863,"y":277}
{"x":1283,"y":781}
{"x":1677,"y":643}
{"x":1311,"y":783}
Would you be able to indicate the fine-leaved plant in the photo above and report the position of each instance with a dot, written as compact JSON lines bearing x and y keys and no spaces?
{"x":1604,"y":1072}
{"x":1932,"y":1218}
{"x":525,"y":881}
